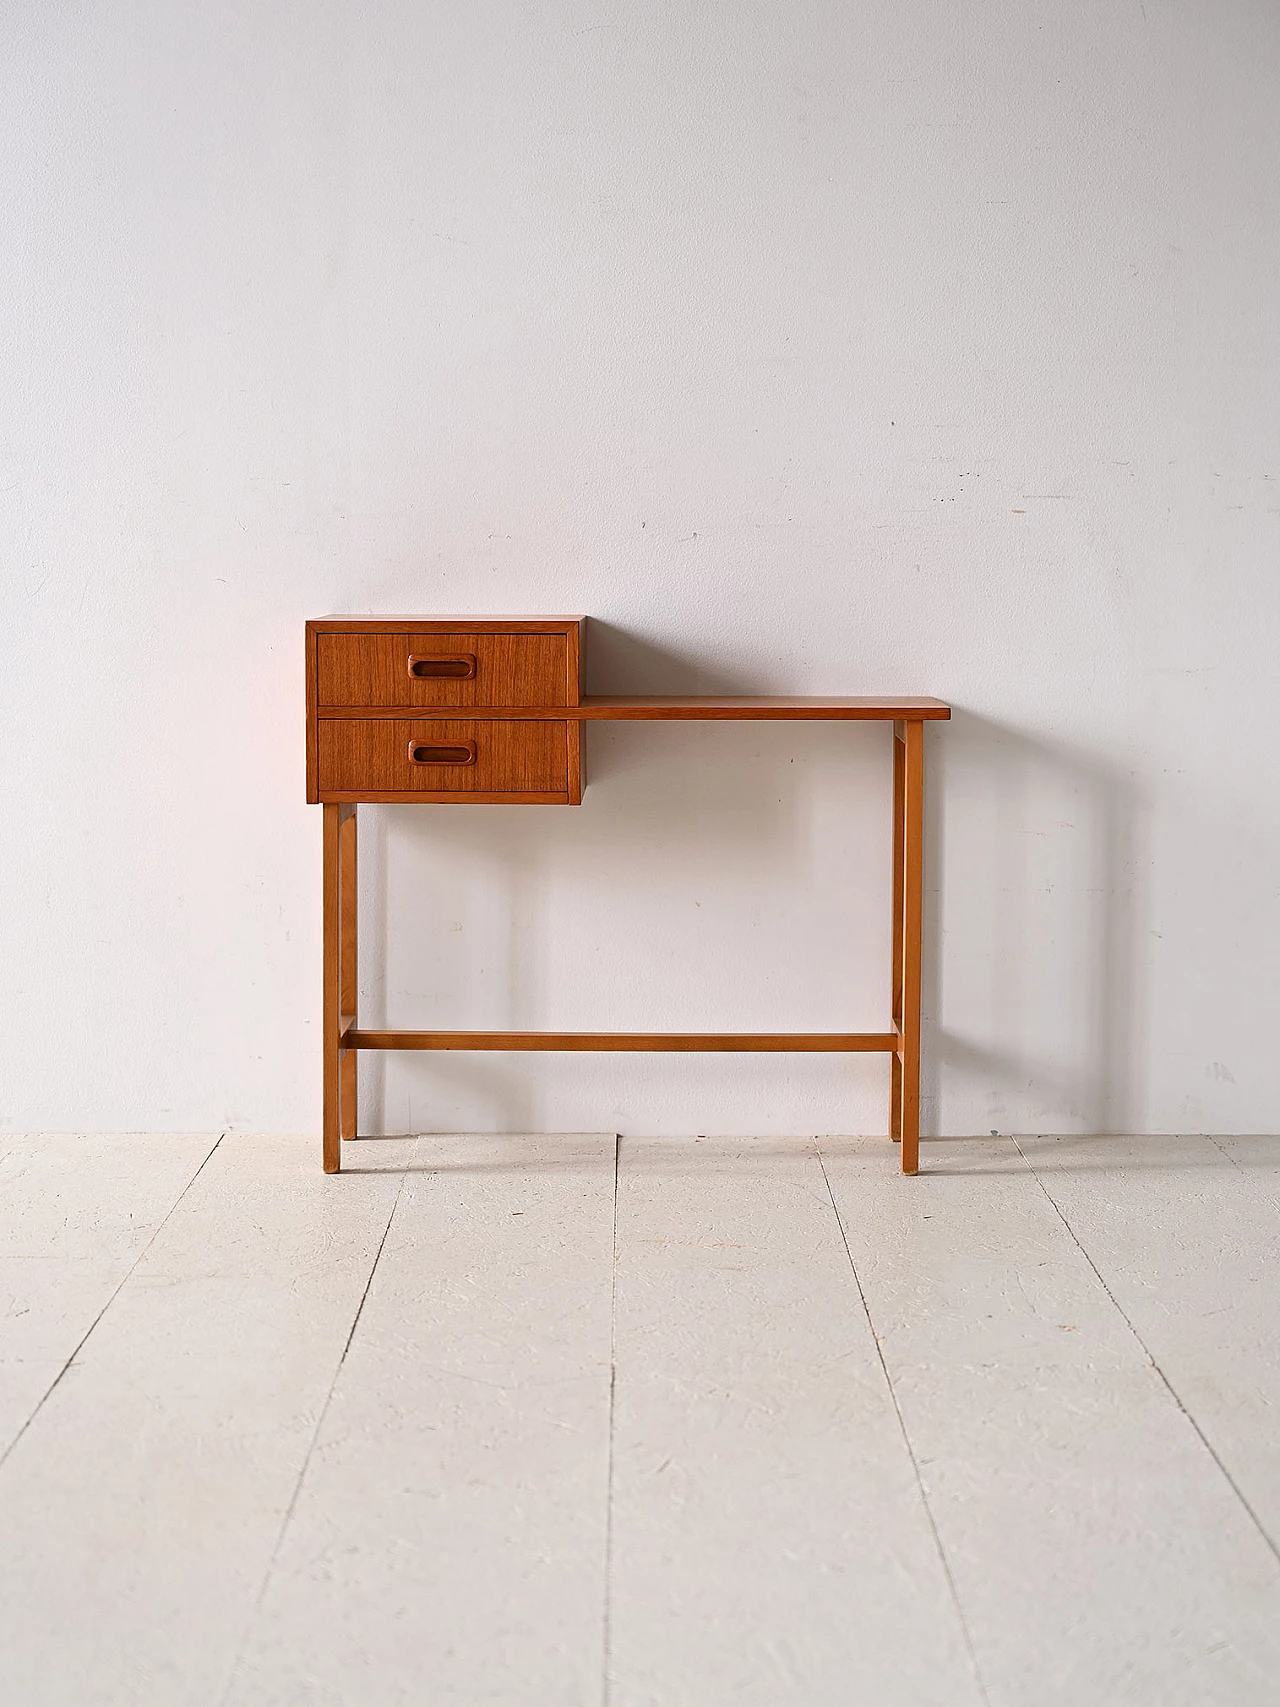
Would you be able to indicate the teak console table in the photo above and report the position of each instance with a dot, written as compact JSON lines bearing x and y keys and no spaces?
{"x":490,"y":710}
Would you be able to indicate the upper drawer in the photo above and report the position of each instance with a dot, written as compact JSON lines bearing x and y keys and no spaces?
{"x":455,"y":669}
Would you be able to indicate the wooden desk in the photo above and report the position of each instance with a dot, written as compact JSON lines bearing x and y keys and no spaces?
{"x":490,"y":710}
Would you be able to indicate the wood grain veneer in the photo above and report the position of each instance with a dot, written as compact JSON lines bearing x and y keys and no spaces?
{"x":912,"y":820}
{"x":816,"y":708}
{"x":682,"y":1042}
{"x":361,"y":671}
{"x":371,"y":756}
{"x":626,"y":708}
{"x":518,"y":681}
{"x":331,"y":1039}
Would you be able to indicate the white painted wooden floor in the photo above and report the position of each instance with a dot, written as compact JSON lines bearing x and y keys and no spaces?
{"x":557,"y":1421}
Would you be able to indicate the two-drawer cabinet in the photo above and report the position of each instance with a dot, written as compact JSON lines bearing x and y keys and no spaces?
{"x":464,"y":710}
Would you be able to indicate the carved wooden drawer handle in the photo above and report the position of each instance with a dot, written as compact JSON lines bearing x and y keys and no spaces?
{"x":431,"y":753}
{"x":459,"y":664}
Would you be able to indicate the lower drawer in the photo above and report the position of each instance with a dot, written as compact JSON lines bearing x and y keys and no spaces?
{"x":445,"y":759}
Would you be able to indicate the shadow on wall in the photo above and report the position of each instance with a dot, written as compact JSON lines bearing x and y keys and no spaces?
{"x":1036,"y":918}
{"x":1037,"y":922}
{"x":619,"y":661}
{"x":699,"y":886}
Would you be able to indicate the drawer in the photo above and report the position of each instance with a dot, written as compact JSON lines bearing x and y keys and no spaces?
{"x":449,"y":759}
{"x":458,"y":669}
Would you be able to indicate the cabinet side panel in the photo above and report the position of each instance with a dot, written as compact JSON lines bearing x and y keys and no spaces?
{"x":574,"y":734}
{"x":575,"y":650}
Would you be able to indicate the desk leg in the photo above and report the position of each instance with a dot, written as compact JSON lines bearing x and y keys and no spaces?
{"x":912,"y":868}
{"x":347,"y":982}
{"x":895,"y":1060}
{"x":331,"y":1006}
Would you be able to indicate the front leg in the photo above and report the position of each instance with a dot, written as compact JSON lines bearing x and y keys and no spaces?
{"x":348,"y":985}
{"x":912,"y":896}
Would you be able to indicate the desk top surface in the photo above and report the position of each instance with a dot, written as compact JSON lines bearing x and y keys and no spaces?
{"x":333,"y":624}
{"x":632,"y":707}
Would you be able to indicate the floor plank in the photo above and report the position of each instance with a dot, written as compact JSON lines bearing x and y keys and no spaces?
{"x":1257,"y":1155}
{"x":769,"y":1541}
{"x":1099,"y":1553}
{"x":770,"y":1544}
{"x":76,"y":1213}
{"x":449,"y":1539}
{"x":1185,"y":1233}
{"x":139,"y":1511}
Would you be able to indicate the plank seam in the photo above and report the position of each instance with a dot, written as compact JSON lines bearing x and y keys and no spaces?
{"x":607,"y":1631}
{"x":906,"y":1438}
{"x":1218,"y":1146}
{"x":79,"y":1347}
{"x":287,"y":1519}
{"x":1147,"y":1353}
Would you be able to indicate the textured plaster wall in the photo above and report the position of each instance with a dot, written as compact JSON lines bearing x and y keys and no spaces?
{"x":898,"y":345}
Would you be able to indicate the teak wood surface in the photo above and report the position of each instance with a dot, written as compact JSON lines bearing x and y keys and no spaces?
{"x":362,"y":757}
{"x":518,"y":683}
{"x":712,"y":708}
{"x":681,"y":1042}
{"x":371,"y":670}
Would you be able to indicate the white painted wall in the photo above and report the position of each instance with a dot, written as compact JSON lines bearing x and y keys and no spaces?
{"x":839,"y":346}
